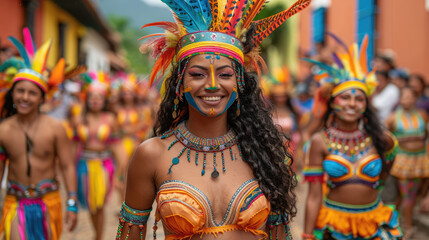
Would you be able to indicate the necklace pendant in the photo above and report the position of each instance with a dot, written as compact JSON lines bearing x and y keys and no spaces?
{"x":215,"y":174}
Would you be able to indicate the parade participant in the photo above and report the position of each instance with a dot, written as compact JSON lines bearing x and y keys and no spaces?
{"x":219,"y":168}
{"x":411,"y":165}
{"x":32,"y":142}
{"x":353,"y":151}
{"x":96,"y":133}
{"x":418,"y":83}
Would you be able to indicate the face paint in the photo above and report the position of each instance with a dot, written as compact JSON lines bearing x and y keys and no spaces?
{"x":354,"y":91}
{"x":192,"y":102}
{"x":212,"y":72}
{"x":230,"y":101}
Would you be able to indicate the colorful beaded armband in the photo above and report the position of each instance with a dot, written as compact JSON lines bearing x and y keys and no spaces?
{"x":2,"y":154}
{"x":275,"y":220}
{"x":390,"y":154}
{"x":313,"y":174}
{"x":132,"y":217}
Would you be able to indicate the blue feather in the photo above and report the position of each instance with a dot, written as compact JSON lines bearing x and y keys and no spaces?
{"x":12,"y":62}
{"x":21,"y":50}
{"x":332,"y":72}
{"x":195,"y":14}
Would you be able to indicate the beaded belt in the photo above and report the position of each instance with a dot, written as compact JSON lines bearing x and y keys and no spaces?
{"x":87,"y":155}
{"x":33,"y":190}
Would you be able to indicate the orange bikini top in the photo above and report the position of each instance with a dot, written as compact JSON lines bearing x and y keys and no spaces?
{"x":186,"y":211}
{"x":102,"y":134}
{"x":127,"y":116}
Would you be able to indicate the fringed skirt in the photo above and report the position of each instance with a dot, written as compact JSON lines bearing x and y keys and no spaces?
{"x":344,"y":221}
{"x":411,"y":164}
{"x":37,"y":218}
{"x":95,"y":176}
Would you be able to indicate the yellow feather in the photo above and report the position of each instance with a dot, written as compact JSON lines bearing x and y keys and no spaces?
{"x":39,"y":60}
{"x":358,"y":74}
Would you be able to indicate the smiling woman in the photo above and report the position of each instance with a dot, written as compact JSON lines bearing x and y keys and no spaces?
{"x":212,"y":119}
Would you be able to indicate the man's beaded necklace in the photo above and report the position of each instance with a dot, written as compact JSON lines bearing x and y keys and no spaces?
{"x":202,"y":146}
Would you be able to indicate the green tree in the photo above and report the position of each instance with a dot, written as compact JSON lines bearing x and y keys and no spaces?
{"x":138,"y":62}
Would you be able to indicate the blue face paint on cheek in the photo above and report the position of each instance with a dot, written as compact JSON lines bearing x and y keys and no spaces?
{"x":230,"y":101}
{"x":192,"y":102}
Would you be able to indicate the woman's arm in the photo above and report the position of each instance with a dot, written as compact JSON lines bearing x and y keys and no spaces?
{"x":140,"y":190}
{"x":315,"y":192}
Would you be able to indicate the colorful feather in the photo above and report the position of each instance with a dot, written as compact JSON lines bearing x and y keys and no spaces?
{"x":12,"y":62}
{"x":338,"y":40}
{"x":39,"y":60}
{"x":214,"y":5}
{"x":232,"y":14}
{"x":267,"y":25}
{"x":363,"y":55}
{"x":253,"y":8}
{"x":21,"y":51}
{"x":57,"y":74}
{"x":29,"y":43}
{"x":337,"y":61}
{"x":194,"y":19}
{"x":75,"y":71}
{"x":168,"y":26}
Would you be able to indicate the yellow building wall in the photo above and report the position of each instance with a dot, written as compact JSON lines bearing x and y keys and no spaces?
{"x":52,"y":17}
{"x":288,"y":53}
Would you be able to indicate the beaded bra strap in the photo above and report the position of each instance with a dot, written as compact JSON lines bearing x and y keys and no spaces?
{"x":132,"y":217}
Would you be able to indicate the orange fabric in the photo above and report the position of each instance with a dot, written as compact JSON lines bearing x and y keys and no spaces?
{"x":186,"y":211}
{"x":360,"y":224}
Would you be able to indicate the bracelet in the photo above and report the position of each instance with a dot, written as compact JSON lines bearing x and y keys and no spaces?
{"x":72,"y":209}
{"x":72,"y":205}
{"x":307,"y":236}
{"x":72,"y":194}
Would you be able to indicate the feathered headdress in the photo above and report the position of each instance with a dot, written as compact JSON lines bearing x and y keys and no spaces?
{"x":32,"y":67}
{"x":95,"y":82}
{"x":213,"y":26}
{"x":349,"y":71}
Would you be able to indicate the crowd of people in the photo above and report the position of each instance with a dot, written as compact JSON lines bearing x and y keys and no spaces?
{"x":222,"y":146}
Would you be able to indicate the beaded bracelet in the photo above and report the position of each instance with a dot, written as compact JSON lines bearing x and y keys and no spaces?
{"x":72,"y":194}
{"x":307,"y":236}
{"x":72,"y":209}
{"x":132,"y":217}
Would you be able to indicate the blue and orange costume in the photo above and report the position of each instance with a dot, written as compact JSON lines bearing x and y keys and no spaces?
{"x":350,"y":160}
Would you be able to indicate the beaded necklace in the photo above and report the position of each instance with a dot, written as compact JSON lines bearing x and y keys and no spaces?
{"x":349,"y":145}
{"x":201,"y":145}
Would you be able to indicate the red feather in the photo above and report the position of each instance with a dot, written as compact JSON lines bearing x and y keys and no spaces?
{"x":233,"y":11}
{"x":168,"y":26}
{"x":267,"y":25}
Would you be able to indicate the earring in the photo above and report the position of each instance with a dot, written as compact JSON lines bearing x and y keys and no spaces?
{"x":361,"y":124}
{"x":176,"y":102}
{"x":238,"y":107}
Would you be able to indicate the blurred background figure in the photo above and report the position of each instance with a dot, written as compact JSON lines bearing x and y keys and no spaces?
{"x":418,"y":84}
{"x":386,"y":95}
{"x":411,"y":165}
{"x":97,"y":137}
{"x":399,"y":77}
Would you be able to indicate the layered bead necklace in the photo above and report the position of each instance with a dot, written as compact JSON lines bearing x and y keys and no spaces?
{"x":202,"y":146}
{"x":351,"y":145}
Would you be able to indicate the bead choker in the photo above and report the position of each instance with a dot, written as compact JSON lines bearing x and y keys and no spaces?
{"x":351,"y":145}
{"x":201,"y":145}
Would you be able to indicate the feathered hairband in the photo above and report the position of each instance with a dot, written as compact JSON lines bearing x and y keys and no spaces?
{"x":33,"y":64}
{"x":213,"y":26}
{"x":350,"y":71}
{"x":95,"y":82}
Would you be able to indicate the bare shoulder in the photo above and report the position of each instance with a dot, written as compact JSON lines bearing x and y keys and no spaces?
{"x":5,"y":127}
{"x":424,"y":115}
{"x":317,"y":141}
{"x":390,"y":139}
{"x":51,"y":123}
{"x":147,"y":158}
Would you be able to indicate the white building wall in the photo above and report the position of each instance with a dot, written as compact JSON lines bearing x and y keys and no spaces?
{"x":96,"y":49}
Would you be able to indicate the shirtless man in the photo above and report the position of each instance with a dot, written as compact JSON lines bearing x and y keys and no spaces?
{"x":31,"y":142}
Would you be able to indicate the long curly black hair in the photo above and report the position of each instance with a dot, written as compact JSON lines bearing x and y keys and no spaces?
{"x":8,"y":110}
{"x":372,"y":126}
{"x":263,"y":147}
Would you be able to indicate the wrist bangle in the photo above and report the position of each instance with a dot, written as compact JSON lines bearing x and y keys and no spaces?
{"x":72,"y":194}
{"x":71,"y":205}
{"x":72,"y":209}
{"x":307,"y":236}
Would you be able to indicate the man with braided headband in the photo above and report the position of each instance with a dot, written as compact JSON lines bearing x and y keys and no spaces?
{"x":218,"y":168}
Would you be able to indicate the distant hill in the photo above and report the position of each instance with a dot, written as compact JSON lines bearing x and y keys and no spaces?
{"x":137,"y":11}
